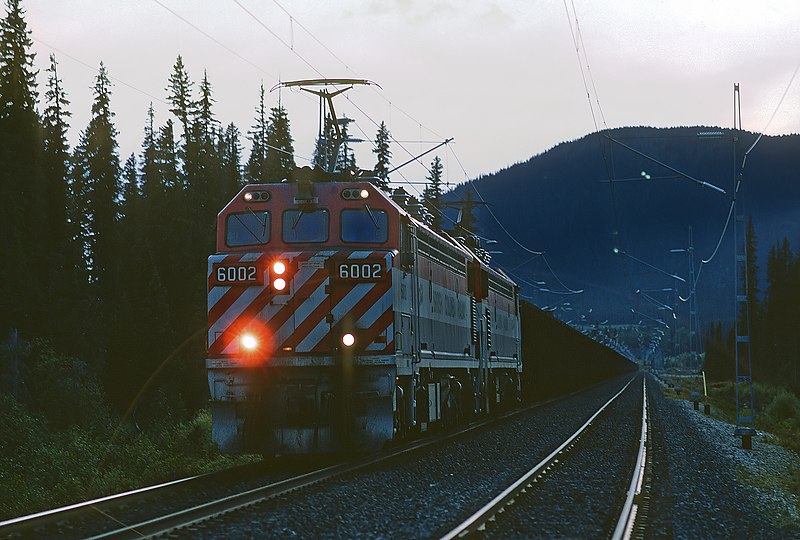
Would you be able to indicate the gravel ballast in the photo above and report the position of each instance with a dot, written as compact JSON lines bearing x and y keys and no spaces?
{"x":424,"y":495}
{"x":707,"y":486}
{"x":704,"y":484}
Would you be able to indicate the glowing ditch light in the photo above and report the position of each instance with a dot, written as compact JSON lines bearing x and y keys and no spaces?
{"x":348,"y":340}
{"x":249,"y":342}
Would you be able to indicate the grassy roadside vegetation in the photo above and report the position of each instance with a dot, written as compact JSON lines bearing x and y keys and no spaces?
{"x":777,"y":409}
{"x":62,"y":443}
{"x":777,"y":413}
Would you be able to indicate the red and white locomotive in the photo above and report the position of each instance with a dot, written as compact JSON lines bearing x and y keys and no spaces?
{"x":339,"y":320}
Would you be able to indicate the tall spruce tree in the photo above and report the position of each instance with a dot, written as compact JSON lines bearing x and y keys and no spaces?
{"x":324,"y":148}
{"x":23,"y":195}
{"x":150,"y":180}
{"x":179,"y":95}
{"x":56,"y":162}
{"x":279,"y":162}
{"x":97,"y":169}
{"x":167,"y":161}
{"x":231,"y":156}
{"x":384,"y":156}
{"x":256,"y":168}
{"x":432,"y":195}
{"x":780,"y":342}
{"x":203,"y":166}
{"x":131,"y":187}
{"x":467,"y":223}
{"x":346,"y":159}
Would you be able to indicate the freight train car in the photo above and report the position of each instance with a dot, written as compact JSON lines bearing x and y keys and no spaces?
{"x":339,"y":319}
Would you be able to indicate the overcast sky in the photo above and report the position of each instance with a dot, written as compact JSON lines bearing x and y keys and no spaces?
{"x":501,"y":77}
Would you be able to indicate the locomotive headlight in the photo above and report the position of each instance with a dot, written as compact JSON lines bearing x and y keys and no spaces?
{"x":248,"y":197}
{"x":249,"y":342}
{"x":279,"y":284}
{"x":278,"y":268}
{"x":348,"y":340}
{"x":364,"y":193}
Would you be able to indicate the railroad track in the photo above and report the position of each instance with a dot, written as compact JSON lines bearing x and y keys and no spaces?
{"x":83,"y":519}
{"x":632,"y":516}
{"x":70,"y":521}
{"x":204,"y":517}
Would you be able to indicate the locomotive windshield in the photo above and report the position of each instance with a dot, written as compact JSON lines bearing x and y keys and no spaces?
{"x":301,"y":225}
{"x":364,"y":225}
{"x":247,"y":228}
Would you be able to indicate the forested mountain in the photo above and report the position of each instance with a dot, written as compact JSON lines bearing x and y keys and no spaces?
{"x":581,"y":199}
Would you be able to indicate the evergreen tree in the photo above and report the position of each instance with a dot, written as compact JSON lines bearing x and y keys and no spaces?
{"x":718,"y":363}
{"x":467,"y":222}
{"x":97,"y":168}
{"x":151,"y":184}
{"x":23,"y":196}
{"x":780,"y":341}
{"x":206,"y":124}
{"x":346,"y":158}
{"x":131,"y":187}
{"x":203,"y":164}
{"x":279,"y":162}
{"x":324,"y":147}
{"x":255,"y":170}
{"x":56,"y":162}
{"x":432,"y":195}
{"x":65,"y":278}
{"x":384,"y":155}
{"x":180,"y":97}
{"x":231,"y":155}
{"x":166,"y":156}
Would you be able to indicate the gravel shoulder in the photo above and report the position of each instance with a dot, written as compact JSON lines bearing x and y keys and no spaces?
{"x":707,"y":486}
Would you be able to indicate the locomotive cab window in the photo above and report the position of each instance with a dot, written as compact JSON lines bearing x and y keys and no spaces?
{"x":302,"y":225}
{"x":364,"y":225}
{"x":247,"y":228}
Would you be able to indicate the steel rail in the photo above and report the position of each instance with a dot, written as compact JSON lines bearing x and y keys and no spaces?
{"x":194,"y":515}
{"x":64,"y":513}
{"x":160,"y":525}
{"x":627,"y":518}
{"x":477,"y":521}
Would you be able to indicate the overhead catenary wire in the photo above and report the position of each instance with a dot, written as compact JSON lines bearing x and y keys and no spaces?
{"x":280,"y":39}
{"x":738,"y":183}
{"x":347,"y":67}
{"x":511,"y":236}
{"x":283,"y":42}
{"x":308,"y":63}
{"x":215,"y":40}
{"x":96,"y":70}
